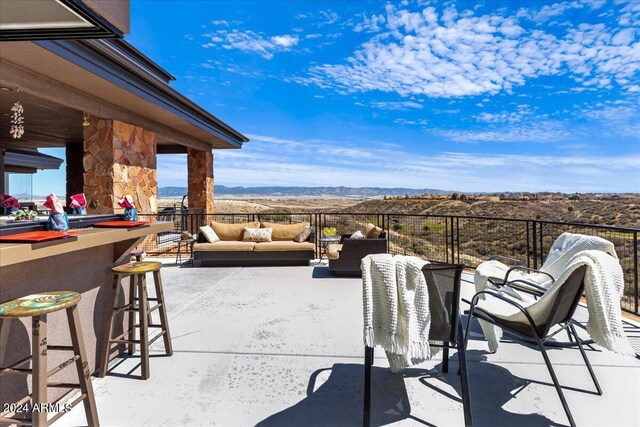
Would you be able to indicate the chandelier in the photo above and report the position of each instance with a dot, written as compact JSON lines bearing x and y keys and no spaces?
{"x":17,"y":120}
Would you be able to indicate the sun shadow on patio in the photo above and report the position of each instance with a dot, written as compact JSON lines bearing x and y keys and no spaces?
{"x":338,"y":399}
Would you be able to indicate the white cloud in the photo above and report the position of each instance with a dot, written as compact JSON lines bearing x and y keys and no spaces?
{"x":250,"y":41}
{"x":288,"y":161}
{"x":516,"y":116}
{"x":538,"y":132}
{"x":454,"y":54}
{"x":395,"y":105}
{"x":371,"y":23}
{"x":420,"y":122}
{"x":620,"y":118}
{"x":285,"y":41}
{"x":549,"y":11}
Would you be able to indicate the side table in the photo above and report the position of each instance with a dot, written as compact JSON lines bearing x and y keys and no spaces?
{"x":188,"y":250}
{"x":325,"y":242}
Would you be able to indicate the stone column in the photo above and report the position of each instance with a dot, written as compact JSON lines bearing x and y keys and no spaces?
{"x":74,"y":154}
{"x":200,"y":171}
{"x":119,"y":159}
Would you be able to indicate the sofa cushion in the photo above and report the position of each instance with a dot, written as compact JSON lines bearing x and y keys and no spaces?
{"x":282,"y":246}
{"x":303,"y":235}
{"x":333,"y":250}
{"x":224,"y":246}
{"x":283,"y":232}
{"x":371,"y":231}
{"x":257,"y":234}
{"x":232,"y":232}
{"x":357,"y":235}
{"x":208,"y":234}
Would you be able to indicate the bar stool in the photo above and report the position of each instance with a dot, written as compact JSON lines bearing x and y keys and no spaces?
{"x":37,"y":307}
{"x":137,"y":271}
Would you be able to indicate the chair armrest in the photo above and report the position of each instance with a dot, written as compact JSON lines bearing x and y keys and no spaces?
{"x":537,"y":289}
{"x":520,"y":267}
{"x":512,"y":260}
{"x":498,"y":295}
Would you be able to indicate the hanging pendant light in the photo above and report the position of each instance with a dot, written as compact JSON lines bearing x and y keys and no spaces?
{"x":85,"y":122}
{"x":17,"y":120}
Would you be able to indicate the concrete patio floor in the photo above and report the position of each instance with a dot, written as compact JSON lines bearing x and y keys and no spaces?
{"x":282,"y":346}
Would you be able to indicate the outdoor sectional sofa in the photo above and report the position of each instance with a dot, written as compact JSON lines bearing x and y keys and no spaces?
{"x":232,"y":251}
{"x":346,"y":256}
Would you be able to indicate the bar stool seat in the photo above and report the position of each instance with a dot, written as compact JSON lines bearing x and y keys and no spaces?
{"x":37,"y":306}
{"x":138,"y":303}
{"x":141,"y":267}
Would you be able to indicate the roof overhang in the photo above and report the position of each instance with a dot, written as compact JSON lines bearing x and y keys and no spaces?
{"x":111,"y":79}
{"x":52,"y":19}
{"x":29,"y":160}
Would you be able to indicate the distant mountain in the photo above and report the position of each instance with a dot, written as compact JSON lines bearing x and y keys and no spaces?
{"x":221,"y":190}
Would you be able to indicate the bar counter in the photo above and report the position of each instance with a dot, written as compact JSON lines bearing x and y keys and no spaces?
{"x":82,"y":264}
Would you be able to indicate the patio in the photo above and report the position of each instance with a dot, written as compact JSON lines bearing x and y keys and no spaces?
{"x":283,"y":346}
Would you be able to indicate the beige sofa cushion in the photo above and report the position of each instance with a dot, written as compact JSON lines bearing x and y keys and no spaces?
{"x":224,"y":246}
{"x":333,"y":250}
{"x":232,"y":232}
{"x":284,"y":246}
{"x":371,"y":231}
{"x":283,"y":232}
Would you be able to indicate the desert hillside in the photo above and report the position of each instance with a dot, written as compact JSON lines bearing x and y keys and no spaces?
{"x":624,"y":213}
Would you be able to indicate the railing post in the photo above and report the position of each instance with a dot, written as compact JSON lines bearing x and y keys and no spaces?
{"x":385,"y":221}
{"x":453,"y":243}
{"x":446,"y":238}
{"x":458,"y":237}
{"x":541,"y":246}
{"x":534,"y":239}
{"x":528,"y":247}
{"x":635,"y":271}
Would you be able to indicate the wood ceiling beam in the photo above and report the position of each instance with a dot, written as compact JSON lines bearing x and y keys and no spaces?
{"x":38,"y":85}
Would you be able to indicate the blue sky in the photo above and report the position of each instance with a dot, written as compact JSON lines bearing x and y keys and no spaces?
{"x":470,"y":96}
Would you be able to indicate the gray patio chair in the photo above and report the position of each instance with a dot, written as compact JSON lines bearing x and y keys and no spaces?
{"x":524,"y":325}
{"x":443,"y":284}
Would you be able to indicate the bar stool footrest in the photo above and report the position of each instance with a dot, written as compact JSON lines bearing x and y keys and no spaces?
{"x":72,"y":404}
{"x":158,"y":335}
{"x":121,"y":341}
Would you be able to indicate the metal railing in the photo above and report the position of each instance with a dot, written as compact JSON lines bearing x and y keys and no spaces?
{"x":449,"y":238}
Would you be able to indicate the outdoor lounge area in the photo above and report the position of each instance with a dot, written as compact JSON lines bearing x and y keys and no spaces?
{"x":423,"y":213}
{"x":283,"y":346}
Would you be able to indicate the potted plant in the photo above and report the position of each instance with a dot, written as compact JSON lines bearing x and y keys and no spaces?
{"x":329,"y":231}
{"x":24,"y":214}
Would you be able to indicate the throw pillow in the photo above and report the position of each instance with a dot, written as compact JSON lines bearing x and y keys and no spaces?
{"x":357,"y":235}
{"x":209,"y":234}
{"x":371,"y":231}
{"x":303,"y":235}
{"x":257,"y":234}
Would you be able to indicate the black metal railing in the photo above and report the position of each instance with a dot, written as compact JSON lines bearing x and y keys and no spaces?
{"x":448,"y":238}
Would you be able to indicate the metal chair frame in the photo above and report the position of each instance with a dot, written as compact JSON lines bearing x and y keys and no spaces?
{"x":453,"y":341}
{"x":541,"y":335}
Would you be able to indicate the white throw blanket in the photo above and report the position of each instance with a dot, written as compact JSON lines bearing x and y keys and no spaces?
{"x":396,"y":308}
{"x":562,"y":251}
{"x":604,"y":288}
